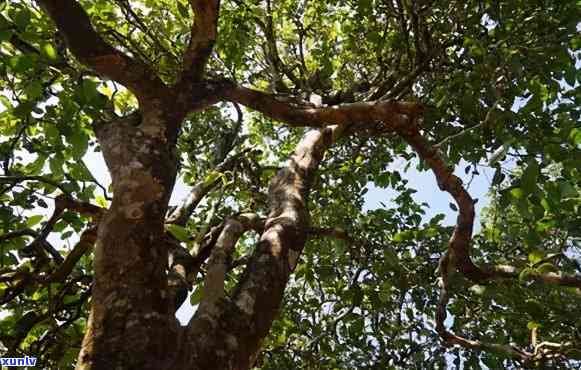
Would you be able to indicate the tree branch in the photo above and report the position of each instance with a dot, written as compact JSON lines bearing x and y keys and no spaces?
{"x":218,"y":264}
{"x":85,"y":243}
{"x":486,"y":122}
{"x":43,"y":179}
{"x":200,"y":190}
{"x":91,"y":49}
{"x":300,"y":114}
{"x":83,"y":208}
{"x":460,"y":242}
{"x":541,"y":351}
{"x":458,"y":254}
{"x":62,"y":202}
{"x":333,"y":232}
{"x":272,"y":54}
{"x":17,"y":234}
{"x":459,"y":245}
{"x":256,"y":298}
{"x":511,"y":272}
{"x":203,"y":37}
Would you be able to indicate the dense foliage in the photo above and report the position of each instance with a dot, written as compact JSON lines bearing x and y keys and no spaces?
{"x":498,"y":82}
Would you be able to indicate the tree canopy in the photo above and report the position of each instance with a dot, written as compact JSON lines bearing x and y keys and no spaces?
{"x":279,"y":115}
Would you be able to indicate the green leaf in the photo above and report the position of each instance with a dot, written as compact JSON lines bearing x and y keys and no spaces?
{"x":55,"y":164}
{"x":575,"y":136}
{"x":49,"y":52}
{"x":34,"y":90}
{"x":179,"y":232}
{"x":22,"y":63}
{"x":196,"y":296}
{"x":532,"y":325}
{"x":517,"y":193}
{"x":34,"y":168}
{"x":5,"y":103}
{"x":547,"y":267}
{"x":535,"y":309}
{"x":571,"y":75}
{"x":529,"y":178}
{"x":212,"y":176}
{"x":536,"y":256}
{"x":567,"y":190}
{"x":33,"y":220}
{"x":22,"y":18}
{"x":101,"y":201}
{"x":52,"y":133}
{"x":183,"y":9}
{"x":357,"y":295}
{"x":573,"y":353}
{"x":79,"y":171}
{"x":403,"y":236}
{"x":391,"y":258}
{"x":89,"y":88}
{"x":524,"y":274}
{"x":5,"y":34}
{"x":80,"y":143}
{"x":384,"y":296}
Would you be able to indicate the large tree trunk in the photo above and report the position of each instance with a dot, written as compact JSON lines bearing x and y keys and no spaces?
{"x":132,"y":324}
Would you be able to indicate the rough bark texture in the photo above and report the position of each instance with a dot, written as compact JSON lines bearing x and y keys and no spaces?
{"x":227,"y":334}
{"x":131,"y":324}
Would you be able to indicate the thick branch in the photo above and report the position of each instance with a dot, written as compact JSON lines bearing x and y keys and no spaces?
{"x":203,"y":37}
{"x":301,"y":114}
{"x":459,"y":246}
{"x":91,"y":49}
{"x":218,"y":264}
{"x":184,"y":267}
{"x":511,"y":272}
{"x":460,"y":242}
{"x":241,"y":323}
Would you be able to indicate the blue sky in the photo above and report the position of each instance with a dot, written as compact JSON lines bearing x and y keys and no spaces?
{"x":427,"y":191}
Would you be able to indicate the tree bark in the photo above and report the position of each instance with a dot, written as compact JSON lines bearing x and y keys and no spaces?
{"x":227,"y":333}
{"x":132,"y":323}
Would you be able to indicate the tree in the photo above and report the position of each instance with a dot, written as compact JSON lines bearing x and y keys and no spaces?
{"x":279,"y":115}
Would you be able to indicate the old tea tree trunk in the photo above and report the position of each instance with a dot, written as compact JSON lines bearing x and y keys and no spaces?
{"x":132,"y":321}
